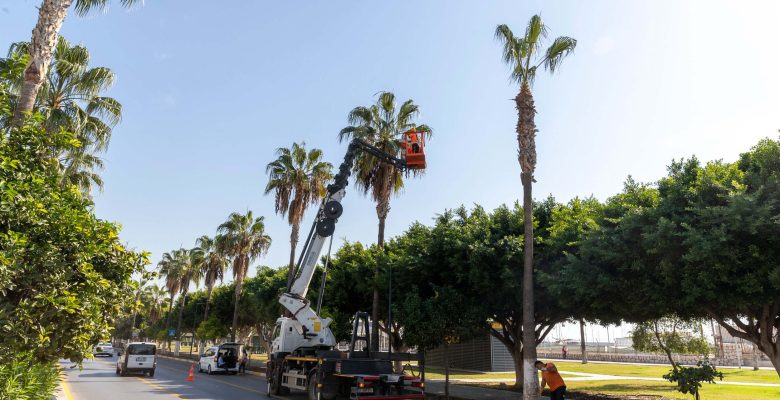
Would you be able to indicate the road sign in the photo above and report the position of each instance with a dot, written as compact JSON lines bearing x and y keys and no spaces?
{"x":171,"y":332}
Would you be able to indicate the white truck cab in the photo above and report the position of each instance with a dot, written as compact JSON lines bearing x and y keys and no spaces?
{"x":137,"y":357}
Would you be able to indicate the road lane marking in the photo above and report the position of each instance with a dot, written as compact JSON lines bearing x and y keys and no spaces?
{"x":161,"y":387}
{"x":66,"y":389}
{"x":218,"y":380}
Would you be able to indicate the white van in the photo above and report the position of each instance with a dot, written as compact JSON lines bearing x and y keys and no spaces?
{"x":137,"y":358}
{"x":230,"y":354}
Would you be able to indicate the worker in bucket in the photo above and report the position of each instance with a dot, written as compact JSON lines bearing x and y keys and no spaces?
{"x":551,"y":378}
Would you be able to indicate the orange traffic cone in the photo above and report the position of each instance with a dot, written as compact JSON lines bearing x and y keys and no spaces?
{"x":191,"y":375}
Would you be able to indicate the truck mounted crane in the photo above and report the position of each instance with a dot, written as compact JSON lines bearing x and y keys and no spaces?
{"x":303,"y":352}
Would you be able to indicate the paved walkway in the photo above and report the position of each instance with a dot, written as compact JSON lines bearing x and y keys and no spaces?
{"x":471,"y":392}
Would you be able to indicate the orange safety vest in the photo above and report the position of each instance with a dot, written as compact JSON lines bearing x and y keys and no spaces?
{"x":553,"y":379}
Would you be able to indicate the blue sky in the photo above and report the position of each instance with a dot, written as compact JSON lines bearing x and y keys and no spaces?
{"x":210,"y":89}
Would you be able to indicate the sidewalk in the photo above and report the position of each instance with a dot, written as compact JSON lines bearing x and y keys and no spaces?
{"x":472,"y":392}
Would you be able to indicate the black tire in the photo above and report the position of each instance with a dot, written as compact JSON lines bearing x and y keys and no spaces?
{"x":151,"y":373}
{"x":311,"y":386}
{"x":200,"y":370}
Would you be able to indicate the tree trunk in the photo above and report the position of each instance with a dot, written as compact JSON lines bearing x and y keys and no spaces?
{"x":44,"y":37}
{"x":239,"y":283}
{"x":382,"y":209}
{"x":756,"y":358}
{"x":208,"y":300}
{"x":293,"y":245}
{"x":583,"y":347}
{"x":446,"y":370}
{"x":517,"y":358}
{"x":526,"y":136}
{"x":135,"y":311}
{"x":168,"y":322}
{"x":181,"y":312}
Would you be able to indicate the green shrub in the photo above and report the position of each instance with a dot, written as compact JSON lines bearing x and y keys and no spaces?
{"x":689,"y":379}
{"x":22,"y":378}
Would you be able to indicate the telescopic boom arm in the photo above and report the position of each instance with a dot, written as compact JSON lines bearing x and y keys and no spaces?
{"x":294,"y":299}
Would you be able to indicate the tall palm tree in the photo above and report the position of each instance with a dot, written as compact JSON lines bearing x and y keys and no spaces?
{"x":524,"y":56}
{"x":381,"y":125}
{"x":242,"y":238}
{"x":70,"y":98}
{"x":190,"y":271}
{"x":170,"y":270}
{"x":298,"y":179}
{"x":214,"y":265}
{"x":51,"y":15}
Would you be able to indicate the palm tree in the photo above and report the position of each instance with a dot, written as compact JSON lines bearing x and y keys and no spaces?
{"x":522,"y":53}
{"x":298,"y":179}
{"x":170,"y":270}
{"x":154,"y":296}
{"x":381,"y":125}
{"x":81,"y":170}
{"x":70,"y":98}
{"x":190,"y":271}
{"x":214,"y":266}
{"x":44,"y":39}
{"x":243,"y":239}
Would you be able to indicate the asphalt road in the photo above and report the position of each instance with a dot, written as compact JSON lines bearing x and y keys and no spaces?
{"x":98,"y":381}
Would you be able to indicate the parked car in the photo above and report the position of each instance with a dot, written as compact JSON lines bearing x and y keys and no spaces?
{"x":103,"y":349}
{"x":229,"y":352}
{"x":137,"y":358}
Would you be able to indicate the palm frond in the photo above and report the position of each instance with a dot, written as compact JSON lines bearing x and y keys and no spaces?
{"x":558,"y":50}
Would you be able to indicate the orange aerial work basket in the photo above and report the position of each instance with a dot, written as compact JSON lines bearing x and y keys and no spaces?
{"x":414,"y":143}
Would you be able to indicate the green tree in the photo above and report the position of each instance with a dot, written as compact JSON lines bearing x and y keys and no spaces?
{"x":190,"y":271}
{"x":670,"y":335}
{"x":242,"y":238}
{"x":214,"y":265}
{"x":522,"y":54}
{"x":51,"y":15}
{"x":64,"y":273}
{"x":381,"y":125}
{"x":71,"y":98}
{"x":170,"y":270}
{"x":297,"y":178}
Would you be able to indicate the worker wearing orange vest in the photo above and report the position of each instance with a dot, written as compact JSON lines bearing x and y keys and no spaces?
{"x":552,"y":378}
{"x":414,"y":141}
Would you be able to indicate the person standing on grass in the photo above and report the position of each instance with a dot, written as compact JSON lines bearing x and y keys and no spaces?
{"x":565,"y":351}
{"x":551,"y":378}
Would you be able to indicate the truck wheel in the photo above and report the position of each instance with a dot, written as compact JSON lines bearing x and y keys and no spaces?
{"x":151,"y":373}
{"x":311,"y":385}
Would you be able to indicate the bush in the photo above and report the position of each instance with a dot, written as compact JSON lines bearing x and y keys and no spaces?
{"x":689,"y":379}
{"x":22,"y":378}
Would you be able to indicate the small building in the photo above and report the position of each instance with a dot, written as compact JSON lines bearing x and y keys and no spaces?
{"x":484,"y":353}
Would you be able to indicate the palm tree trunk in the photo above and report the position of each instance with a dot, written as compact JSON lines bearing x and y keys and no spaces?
{"x":208,"y":300}
{"x":526,"y":133}
{"x":239,"y":283}
{"x":293,"y":245}
{"x":44,"y":37}
{"x":583,"y":348}
{"x":178,"y":324}
{"x":168,"y":321}
{"x":382,"y":209}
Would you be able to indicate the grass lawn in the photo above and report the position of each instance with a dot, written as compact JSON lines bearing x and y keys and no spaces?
{"x":729,"y":374}
{"x":665,"y":389}
{"x":653,"y":388}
